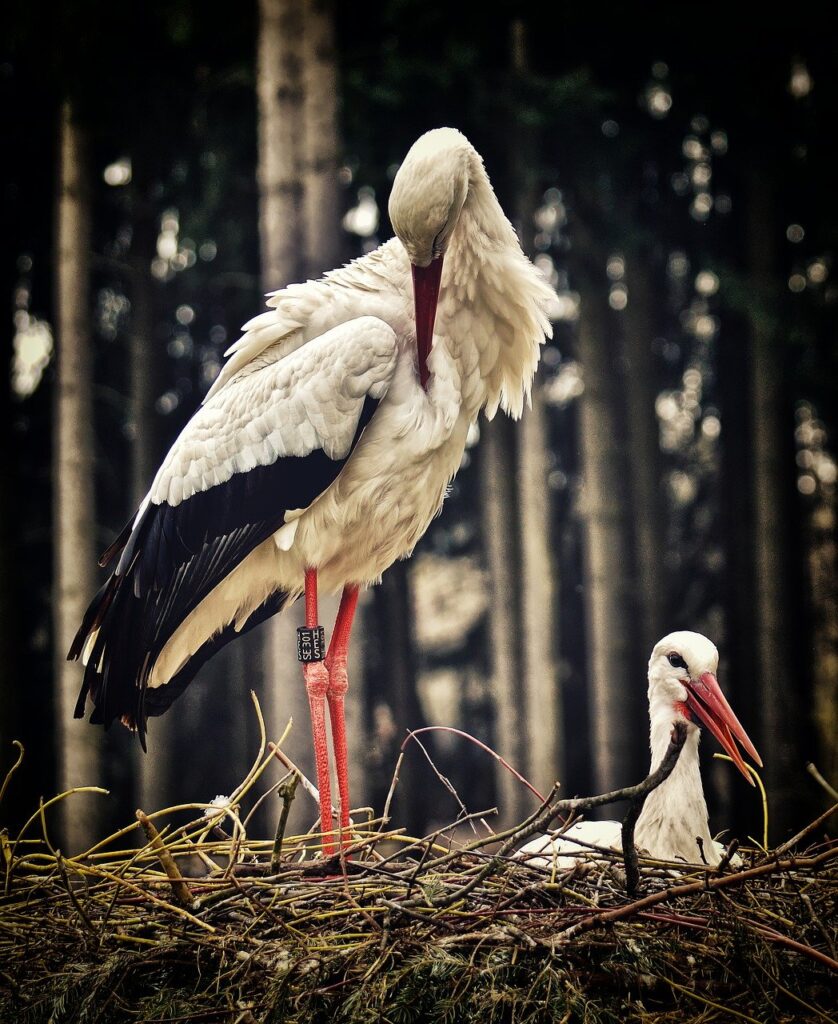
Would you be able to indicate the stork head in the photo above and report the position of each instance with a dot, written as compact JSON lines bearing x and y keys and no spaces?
{"x":428,"y":194}
{"x":682,"y":681}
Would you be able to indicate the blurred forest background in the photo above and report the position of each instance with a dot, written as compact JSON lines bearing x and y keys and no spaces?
{"x":669,"y":169}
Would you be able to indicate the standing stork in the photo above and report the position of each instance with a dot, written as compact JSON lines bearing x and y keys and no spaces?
{"x":322,"y":451}
{"x":682,"y":685}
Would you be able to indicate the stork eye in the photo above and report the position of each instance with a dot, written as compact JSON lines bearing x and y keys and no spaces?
{"x":676,"y":661}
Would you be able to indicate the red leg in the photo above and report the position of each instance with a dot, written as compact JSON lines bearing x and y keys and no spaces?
{"x":317,"y":685}
{"x":336,"y":663}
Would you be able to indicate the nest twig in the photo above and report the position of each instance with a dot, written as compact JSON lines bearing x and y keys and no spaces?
{"x":190,"y":926}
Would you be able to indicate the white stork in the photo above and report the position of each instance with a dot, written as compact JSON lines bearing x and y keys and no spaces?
{"x":322,"y":451}
{"x":682,"y":685}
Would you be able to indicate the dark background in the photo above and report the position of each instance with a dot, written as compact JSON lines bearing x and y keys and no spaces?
{"x":660,"y":162}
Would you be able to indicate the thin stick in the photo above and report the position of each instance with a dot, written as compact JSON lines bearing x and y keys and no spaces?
{"x":13,"y":769}
{"x":446,"y":782}
{"x":181,"y":890}
{"x":385,"y":814}
{"x":62,"y":870}
{"x":305,"y":782}
{"x":803,"y":833}
{"x":810,"y":768}
{"x":718,"y":882}
{"x":477,"y":743}
{"x":287,"y":792}
{"x":728,"y":856}
{"x":708,"y":1002}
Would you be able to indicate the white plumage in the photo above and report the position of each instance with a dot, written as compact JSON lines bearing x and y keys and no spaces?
{"x":682,"y":683}
{"x":327,"y":442}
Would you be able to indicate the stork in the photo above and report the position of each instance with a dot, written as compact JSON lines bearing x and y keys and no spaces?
{"x":673,"y":824}
{"x":322,"y":451}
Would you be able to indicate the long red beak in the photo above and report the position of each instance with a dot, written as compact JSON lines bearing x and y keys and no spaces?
{"x":425,"y":296}
{"x":705,"y":698}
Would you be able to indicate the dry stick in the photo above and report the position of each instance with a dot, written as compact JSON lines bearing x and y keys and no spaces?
{"x":816,"y":921}
{"x":287,"y":792}
{"x":473,"y":739}
{"x":676,"y":743}
{"x":545,"y":814}
{"x":306,"y":783}
{"x":59,"y":860}
{"x":728,"y":856}
{"x":689,"y":888}
{"x":803,"y":833}
{"x":385,"y":814}
{"x":181,"y":890}
{"x":446,"y":782}
{"x":13,"y":769}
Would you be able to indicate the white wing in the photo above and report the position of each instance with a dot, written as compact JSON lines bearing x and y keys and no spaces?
{"x":270,"y":442}
{"x":377,"y":284}
{"x":311,"y":400}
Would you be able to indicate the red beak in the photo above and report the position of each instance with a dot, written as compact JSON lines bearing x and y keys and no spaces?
{"x":425,"y":296}
{"x":705,"y":698}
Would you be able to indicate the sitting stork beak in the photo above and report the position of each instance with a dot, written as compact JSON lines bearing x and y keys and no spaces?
{"x":706,"y":700}
{"x":425,"y":296}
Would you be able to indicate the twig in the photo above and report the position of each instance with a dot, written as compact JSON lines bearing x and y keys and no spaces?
{"x":659,"y":775}
{"x":13,"y":769}
{"x":708,"y":1002}
{"x":717,"y":882}
{"x":728,"y":856}
{"x":286,"y":791}
{"x":305,"y":782}
{"x":810,"y":768}
{"x":385,"y":814}
{"x":473,"y":739}
{"x":816,"y":921}
{"x":181,"y":890}
{"x":804,"y":832}
{"x":62,"y":870}
{"x":446,"y":782}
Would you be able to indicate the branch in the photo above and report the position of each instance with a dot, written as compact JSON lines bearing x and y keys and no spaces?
{"x":652,"y":781}
{"x":181,"y":890}
{"x":286,"y":791}
{"x":715,"y":882}
{"x":540,"y":821}
{"x":803,"y":833}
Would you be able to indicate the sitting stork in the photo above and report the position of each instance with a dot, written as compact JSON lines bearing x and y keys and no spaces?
{"x":673,"y":824}
{"x":322,"y":451}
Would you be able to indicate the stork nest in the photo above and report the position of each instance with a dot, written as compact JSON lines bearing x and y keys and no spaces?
{"x":203,"y":923}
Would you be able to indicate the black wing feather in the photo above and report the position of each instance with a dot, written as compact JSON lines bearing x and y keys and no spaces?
{"x":171,"y":559}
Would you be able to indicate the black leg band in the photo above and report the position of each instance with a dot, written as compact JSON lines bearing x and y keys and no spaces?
{"x":311,"y":644}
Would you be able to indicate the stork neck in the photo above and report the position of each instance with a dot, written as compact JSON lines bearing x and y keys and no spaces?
{"x":493,"y":302}
{"x":675,"y":813}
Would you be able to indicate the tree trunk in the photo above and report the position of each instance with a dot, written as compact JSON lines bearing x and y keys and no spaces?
{"x":79,"y":745}
{"x":542,"y":697}
{"x":321,"y":145}
{"x":282,"y":54}
{"x":498,"y":510}
{"x":644,"y":453}
{"x":780,"y":698}
{"x":615,"y":684}
{"x":280,"y":100}
{"x":539,"y":587}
